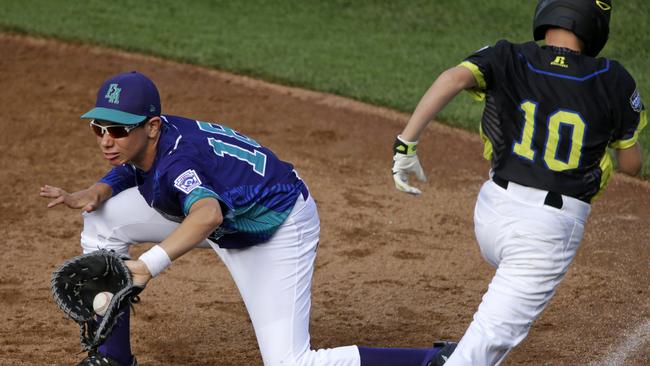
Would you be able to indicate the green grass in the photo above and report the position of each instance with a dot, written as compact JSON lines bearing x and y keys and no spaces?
{"x":382,"y":52}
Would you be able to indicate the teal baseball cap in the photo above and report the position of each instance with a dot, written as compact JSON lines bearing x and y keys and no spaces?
{"x":127,"y":98}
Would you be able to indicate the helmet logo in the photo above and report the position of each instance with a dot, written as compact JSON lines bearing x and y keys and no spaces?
{"x":603,"y":5}
{"x":559,"y":61}
{"x":113,"y":94}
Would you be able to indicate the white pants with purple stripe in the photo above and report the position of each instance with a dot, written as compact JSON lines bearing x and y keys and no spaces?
{"x":274,"y":278}
{"x":531,"y":245}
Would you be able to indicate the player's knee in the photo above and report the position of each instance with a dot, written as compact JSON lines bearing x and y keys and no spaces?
{"x":92,"y":227}
{"x":96,"y":235}
{"x":89,"y":245}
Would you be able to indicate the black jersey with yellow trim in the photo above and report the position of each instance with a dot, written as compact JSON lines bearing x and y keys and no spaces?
{"x":550,"y":114}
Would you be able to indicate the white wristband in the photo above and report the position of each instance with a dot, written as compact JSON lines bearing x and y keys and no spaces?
{"x":156,"y":260}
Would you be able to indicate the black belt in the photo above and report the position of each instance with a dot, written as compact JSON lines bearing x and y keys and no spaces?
{"x":552,"y":199}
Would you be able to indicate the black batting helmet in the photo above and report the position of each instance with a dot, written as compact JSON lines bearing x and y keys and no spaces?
{"x":587,"y":19}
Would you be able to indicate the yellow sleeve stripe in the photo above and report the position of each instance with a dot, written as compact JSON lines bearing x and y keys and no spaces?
{"x":606,"y":167}
{"x":478,"y":75}
{"x":487,"y":145}
{"x":478,"y":92}
{"x":626,"y":144}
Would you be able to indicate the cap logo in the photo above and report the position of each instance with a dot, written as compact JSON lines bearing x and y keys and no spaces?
{"x":603,"y":5}
{"x":113,"y":94}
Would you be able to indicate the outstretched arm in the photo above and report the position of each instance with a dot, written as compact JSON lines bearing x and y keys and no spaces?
{"x":204,"y":217}
{"x":88,"y":199}
{"x":114,"y":182}
{"x":444,"y":89}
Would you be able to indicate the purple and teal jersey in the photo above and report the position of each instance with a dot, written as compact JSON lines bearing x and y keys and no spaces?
{"x":195,"y":160}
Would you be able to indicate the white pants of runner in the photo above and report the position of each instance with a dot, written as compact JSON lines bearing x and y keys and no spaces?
{"x":273,"y":278}
{"x":531,"y":245}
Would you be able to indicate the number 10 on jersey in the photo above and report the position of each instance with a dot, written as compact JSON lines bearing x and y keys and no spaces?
{"x":556,"y":121}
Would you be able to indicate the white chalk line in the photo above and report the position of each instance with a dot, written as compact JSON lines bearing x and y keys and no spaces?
{"x":618,"y":353}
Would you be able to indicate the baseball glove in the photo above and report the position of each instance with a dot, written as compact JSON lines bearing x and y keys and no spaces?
{"x":75,"y":284}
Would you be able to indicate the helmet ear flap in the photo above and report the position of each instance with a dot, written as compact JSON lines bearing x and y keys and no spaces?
{"x":587,"y":19}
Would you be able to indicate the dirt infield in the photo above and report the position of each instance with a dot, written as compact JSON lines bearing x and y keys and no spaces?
{"x":392,"y":270}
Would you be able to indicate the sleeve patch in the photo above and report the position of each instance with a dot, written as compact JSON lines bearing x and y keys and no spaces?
{"x":635,"y":101}
{"x":187,"y":181}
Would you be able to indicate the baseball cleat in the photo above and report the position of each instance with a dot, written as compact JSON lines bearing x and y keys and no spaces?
{"x":97,"y":359}
{"x":446,"y":349}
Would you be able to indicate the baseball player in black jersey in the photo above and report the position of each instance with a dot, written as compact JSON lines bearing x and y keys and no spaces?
{"x":550,"y":114}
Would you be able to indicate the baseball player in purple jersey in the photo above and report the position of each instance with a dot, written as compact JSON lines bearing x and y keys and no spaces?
{"x":550,"y":114}
{"x":183,"y":183}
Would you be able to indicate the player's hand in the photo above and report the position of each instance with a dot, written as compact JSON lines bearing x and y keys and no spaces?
{"x":405,"y":162}
{"x":139,"y":272}
{"x":87,"y":199}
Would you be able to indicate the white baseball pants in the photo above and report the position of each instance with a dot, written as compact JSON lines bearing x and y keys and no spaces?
{"x":531,"y":245}
{"x":274,"y":278}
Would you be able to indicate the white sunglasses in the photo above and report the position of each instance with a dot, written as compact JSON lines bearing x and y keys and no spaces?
{"x":115,"y":131}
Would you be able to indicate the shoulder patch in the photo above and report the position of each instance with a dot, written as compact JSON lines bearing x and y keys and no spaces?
{"x":635,"y":101}
{"x":187,"y":181}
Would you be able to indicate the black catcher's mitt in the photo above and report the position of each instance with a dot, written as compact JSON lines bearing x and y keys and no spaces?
{"x":75,"y":284}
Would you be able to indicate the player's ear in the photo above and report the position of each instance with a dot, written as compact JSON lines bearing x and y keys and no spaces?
{"x":154,"y":127}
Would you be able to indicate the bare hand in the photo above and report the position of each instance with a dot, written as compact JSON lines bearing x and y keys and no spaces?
{"x":139,"y":272}
{"x":87,"y":199}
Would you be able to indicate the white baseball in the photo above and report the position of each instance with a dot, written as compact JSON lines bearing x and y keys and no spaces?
{"x":101,"y":301}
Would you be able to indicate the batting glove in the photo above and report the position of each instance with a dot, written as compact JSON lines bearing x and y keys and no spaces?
{"x":405,"y":161}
